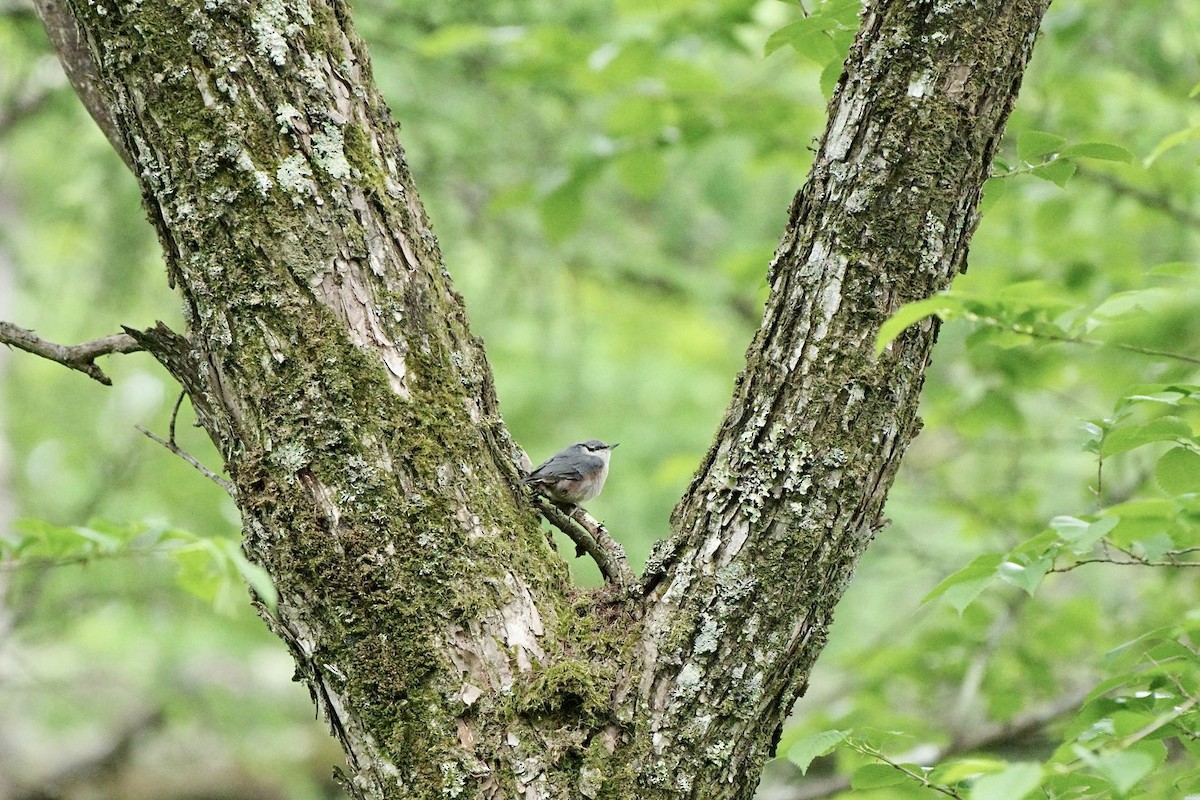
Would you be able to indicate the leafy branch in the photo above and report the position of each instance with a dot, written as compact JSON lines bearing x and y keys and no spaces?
{"x":1005,"y":314}
{"x":866,"y":749}
{"x":1065,"y":338}
{"x":211,"y":567}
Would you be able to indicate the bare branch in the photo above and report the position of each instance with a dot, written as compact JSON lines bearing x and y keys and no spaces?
{"x":189,"y":458}
{"x":1170,"y":559}
{"x":590,"y":537}
{"x":81,"y":357}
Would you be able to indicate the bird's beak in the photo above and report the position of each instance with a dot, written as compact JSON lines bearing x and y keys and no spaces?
{"x":614,"y":446}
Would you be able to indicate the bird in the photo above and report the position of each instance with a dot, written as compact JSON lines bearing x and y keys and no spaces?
{"x":574,"y":474}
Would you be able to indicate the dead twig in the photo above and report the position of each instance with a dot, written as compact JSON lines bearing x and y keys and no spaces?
{"x":81,"y":357}
{"x":170,"y":444}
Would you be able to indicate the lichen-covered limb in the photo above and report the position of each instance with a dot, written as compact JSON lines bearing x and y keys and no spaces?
{"x":81,"y":357}
{"x":591,"y":537}
{"x":328,"y":357}
{"x":770,"y":530}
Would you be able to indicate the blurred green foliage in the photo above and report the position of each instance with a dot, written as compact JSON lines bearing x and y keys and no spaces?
{"x":608,"y":182}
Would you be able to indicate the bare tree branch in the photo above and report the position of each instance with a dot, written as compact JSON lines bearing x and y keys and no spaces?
{"x":170,"y":444}
{"x":1133,"y":561}
{"x":591,"y":537}
{"x":81,"y":357}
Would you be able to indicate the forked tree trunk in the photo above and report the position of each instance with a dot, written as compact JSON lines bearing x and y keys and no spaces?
{"x":329,"y":359}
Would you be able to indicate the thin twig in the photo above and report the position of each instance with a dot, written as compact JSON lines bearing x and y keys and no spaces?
{"x":81,"y":357}
{"x":175,"y":416}
{"x":49,"y":562}
{"x":1135,"y":561}
{"x":1033,"y":333}
{"x":924,"y":781}
{"x":592,"y":538}
{"x":189,"y":458}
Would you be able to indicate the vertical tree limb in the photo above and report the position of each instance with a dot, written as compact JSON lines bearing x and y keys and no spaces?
{"x":792,"y":490}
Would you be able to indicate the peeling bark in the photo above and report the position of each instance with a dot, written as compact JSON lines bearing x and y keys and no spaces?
{"x":329,"y":359}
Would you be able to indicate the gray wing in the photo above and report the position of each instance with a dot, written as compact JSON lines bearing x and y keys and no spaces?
{"x":564,"y":466}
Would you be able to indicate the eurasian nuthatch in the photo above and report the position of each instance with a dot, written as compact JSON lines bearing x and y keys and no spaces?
{"x":575,"y":474}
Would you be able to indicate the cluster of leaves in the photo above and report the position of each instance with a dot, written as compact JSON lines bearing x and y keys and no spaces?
{"x":212,"y":568}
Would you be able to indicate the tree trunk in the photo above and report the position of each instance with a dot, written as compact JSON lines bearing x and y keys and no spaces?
{"x":329,"y":359}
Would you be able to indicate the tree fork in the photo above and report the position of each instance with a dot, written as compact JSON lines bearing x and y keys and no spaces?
{"x":329,"y":359}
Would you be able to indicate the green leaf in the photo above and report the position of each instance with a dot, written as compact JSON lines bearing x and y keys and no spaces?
{"x":1058,"y":171}
{"x":198,"y":572}
{"x":1080,"y":534}
{"x":1013,"y":783}
{"x":816,"y":744}
{"x":844,"y":11}
{"x":1102,"y":151}
{"x":1031,"y":145}
{"x":1124,"y":769}
{"x":1070,"y":529}
{"x":961,"y":588}
{"x":1026,"y":577}
{"x":1178,"y":471}
{"x":1163,"y":429}
{"x":1138,"y":301}
{"x":1176,"y":269}
{"x":809,"y":37}
{"x":1172,"y":394}
{"x":1171,"y":142}
{"x":958,"y":770}
{"x":830,"y":76}
{"x":875,"y":776}
{"x":255,"y":576}
{"x":993,"y":191}
{"x":942,"y":304}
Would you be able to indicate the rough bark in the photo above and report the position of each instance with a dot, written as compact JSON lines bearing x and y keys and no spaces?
{"x":329,"y":359}
{"x":772,"y":526}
